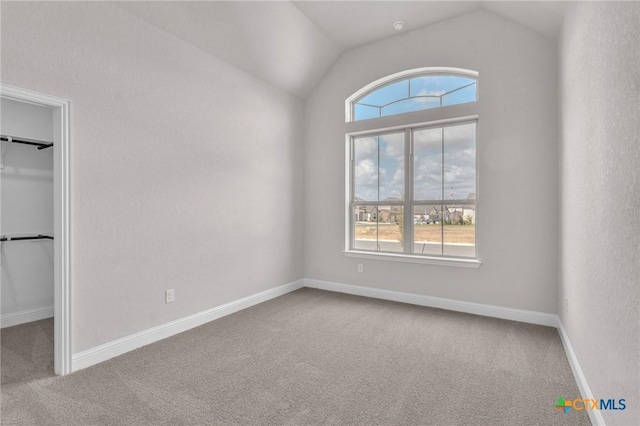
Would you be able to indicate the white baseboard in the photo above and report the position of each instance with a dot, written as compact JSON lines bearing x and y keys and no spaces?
{"x":585,"y":391}
{"x":531,"y":317}
{"x":112,"y":349}
{"x":22,"y":317}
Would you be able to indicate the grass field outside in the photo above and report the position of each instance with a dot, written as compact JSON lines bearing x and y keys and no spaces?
{"x":462,"y":234}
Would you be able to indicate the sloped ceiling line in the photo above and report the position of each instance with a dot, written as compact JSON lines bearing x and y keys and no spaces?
{"x":291,"y":45}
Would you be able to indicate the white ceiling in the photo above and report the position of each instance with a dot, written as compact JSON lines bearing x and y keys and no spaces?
{"x":272,"y":41}
{"x":354,"y":23}
{"x":544,"y":17}
{"x":291,"y":45}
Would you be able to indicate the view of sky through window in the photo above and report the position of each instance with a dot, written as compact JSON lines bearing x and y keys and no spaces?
{"x":444,"y":164}
{"x":449,"y":153}
{"x":415,"y":94}
{"x":379,"y":167}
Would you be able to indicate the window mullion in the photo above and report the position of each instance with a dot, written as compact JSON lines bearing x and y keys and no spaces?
{"x":442,"y":206}
{"x":378,"y":197}
{"x":408,"y":192}
{"x":352,"y":194}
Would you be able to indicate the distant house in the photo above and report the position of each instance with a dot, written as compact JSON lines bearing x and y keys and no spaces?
{"x":427,"y":214}
{"x":390,"y":214}
{"x":381,"y":213}
{"x":469,"y":212}
{"x":421,"y":214}
{"x":452,"y":213}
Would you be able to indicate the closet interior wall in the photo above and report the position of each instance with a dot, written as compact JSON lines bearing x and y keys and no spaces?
{"x":26,"y":208}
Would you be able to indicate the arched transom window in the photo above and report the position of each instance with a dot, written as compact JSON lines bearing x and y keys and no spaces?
{"x":425,"y":88}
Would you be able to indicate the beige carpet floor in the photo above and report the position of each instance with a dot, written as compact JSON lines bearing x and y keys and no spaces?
{"x":27,"y":352}
{"x":316,"y":357}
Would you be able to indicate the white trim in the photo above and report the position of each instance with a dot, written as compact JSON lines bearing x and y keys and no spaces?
{"x":421,"y":125}
{"x":407,"y":258}
{"x":521,"y":315}
{"x":61,"y":191}
{"x":348,"y":183}
{"x":23,"y":317}
{"x":409,"y":119}
{"x":109,"y":350}
{"x":585,"y":391}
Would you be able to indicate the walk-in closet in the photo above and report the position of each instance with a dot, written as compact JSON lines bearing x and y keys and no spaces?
{"x":26,"y":241}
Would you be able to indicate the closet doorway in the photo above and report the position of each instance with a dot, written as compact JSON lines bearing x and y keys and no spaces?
{"x":34,"y":217}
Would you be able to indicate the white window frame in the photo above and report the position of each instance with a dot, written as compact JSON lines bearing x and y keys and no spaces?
{"x":407,"y":122}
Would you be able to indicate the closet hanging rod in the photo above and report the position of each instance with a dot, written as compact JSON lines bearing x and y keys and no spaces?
{"x":25,"y":141}
{"x":29,"y":237}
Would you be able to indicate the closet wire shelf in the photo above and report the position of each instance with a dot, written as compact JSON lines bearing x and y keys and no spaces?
{"x":26,"y":237}
{"x":40,"y":145}
{"x":25,"y":141}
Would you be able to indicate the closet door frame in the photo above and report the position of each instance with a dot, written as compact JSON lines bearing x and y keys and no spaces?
{"x":61,"y":228}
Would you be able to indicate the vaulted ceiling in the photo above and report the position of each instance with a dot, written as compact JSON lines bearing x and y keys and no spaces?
{"x":291,"y":45}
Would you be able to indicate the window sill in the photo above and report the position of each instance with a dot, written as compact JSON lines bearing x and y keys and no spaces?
{"x":441,"y":261}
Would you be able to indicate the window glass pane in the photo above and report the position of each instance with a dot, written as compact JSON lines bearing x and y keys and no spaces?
{"x":437,"y":84}
{"x":410,"y":105}
{"x":462,"y":96}
{"x":460,"y":162}
{"x":390,"y":228}
{"x":378,"y":228}
{"x":387,"y":94}
{"x":391,"y":162}
{"x":363,"y":112}
{"x":427,"y":229}
{"x":427,"y":164}
{"x":365,"y":168}
{"x":416,"y":94}
{"x":365,"y":228}
{"x":459,"y":231}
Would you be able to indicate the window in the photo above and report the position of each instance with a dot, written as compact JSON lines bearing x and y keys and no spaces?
{"x":413,"y":187}
{"x":415,"y":94}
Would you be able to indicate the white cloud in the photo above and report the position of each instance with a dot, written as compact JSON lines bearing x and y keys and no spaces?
{"x":394,"y":147}
{"x":430,"y":92}
{"x":366,"y":168}
{"x":398,"y":177}
{"x":366,"y":172}
{"x":428,"y":177}
{"x":391,"y":181}
{"x":365,"y":147}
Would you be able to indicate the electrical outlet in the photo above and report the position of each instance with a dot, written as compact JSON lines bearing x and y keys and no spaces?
{"x":360,"y":267}
{"x":566,"y":304}
{"x":169,"y":296}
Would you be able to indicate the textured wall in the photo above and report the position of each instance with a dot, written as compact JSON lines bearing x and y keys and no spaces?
{"x":517,"y":154}
{"x":26,"y":207}
{"x":600,"y":159}
{"x":185,"y":172}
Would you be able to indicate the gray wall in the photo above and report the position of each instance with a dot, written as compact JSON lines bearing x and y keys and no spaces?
{"x":600,"y":154}
{"x":26,"y":207}
{"x":517,"y":151}
{"x":186,"y":173}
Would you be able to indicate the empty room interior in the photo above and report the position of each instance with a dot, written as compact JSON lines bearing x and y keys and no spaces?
{"x":318,"y":212}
